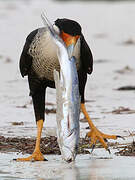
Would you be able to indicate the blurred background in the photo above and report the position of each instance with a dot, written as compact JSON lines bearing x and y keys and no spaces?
{"x":104,"y":23}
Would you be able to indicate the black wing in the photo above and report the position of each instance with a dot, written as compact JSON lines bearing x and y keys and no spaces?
{"x":86,"y":56}
{"x":26,"y":59}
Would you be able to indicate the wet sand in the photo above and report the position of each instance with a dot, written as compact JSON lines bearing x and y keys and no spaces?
{"x":49,"y":145}
{"x":85,"y":167}
{"x":109,"y":29}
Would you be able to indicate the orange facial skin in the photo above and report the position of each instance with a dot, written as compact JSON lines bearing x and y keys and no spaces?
{"x":69,"y":39}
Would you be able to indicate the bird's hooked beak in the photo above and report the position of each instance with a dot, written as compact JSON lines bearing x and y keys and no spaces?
{"x":70,"y":42}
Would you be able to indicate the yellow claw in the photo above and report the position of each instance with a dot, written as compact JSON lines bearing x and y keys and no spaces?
{"x":95,"y":134}
{"x":37,"y":155}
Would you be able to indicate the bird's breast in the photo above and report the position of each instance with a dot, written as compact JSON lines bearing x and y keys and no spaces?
{"x":44,"y":53}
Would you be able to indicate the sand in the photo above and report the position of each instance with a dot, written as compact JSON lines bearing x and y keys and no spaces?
{"x":109,"y":29}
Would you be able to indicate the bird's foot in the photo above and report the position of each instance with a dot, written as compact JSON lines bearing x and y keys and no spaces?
{"x":36,"y":156}
{"x":95,"y":135}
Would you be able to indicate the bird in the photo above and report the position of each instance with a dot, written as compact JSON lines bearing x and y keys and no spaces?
{"x":38,"y":61}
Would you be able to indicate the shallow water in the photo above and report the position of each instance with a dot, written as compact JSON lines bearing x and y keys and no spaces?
{"x":95,"y":167}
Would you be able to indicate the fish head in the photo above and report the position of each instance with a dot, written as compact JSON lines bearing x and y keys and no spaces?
{"x":70,"y":145}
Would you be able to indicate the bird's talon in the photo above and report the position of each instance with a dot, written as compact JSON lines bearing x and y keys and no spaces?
{"x":120,"y":137}
{"x":109,"y":150}
{"x":105,"y":140}
{"x":45,"y":159}
{"x":14,"y":159}
{"x":32,"y":160}
{"x":86,"y":136}
{"x":92,"y":148}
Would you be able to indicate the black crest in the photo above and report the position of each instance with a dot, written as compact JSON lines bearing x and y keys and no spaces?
{"x":69,"y":26}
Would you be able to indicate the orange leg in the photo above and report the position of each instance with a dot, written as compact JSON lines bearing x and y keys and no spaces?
{"x":37,"y":155}
{"x":95,"y":134}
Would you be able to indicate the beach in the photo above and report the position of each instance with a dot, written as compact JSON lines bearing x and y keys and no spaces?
{"x":109,"y":30}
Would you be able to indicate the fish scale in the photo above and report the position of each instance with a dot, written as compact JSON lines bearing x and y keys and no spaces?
{"x":67,"y":97}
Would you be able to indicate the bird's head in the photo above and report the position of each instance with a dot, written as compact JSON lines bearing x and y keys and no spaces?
{"x":70,"y":32}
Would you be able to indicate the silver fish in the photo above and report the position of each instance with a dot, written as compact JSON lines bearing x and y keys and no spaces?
{"x":67,"y":97}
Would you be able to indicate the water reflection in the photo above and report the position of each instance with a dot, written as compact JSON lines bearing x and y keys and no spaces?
{"x":85,"y":167}
{"x":71,"y":173}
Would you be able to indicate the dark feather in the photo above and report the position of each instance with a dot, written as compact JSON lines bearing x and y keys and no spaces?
{"x":26,"y":59}
{"x":86,"y":57}
{"x":69,"y":26}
